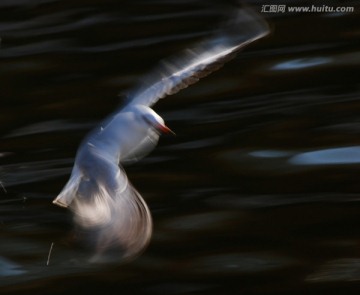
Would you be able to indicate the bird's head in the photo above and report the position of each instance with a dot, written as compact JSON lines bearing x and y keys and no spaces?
{"x":153,"y":120}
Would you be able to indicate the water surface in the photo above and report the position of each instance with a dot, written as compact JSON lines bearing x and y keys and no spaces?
{"x":257,"y":194}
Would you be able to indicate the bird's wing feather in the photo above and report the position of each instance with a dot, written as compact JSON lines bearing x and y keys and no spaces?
{"x":208,"y":56}
{"x":108,"y":208}
{"x":117,"y":219}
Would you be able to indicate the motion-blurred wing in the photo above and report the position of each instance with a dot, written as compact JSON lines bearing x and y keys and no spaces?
{"x":109,"y":210}
{"x":208,"y":56}
{"x":129,"y":228}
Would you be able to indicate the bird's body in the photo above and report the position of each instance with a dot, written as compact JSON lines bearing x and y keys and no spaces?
{"x":98,"y":192}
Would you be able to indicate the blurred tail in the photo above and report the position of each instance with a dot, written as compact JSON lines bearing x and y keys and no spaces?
{"x":68,"y":193}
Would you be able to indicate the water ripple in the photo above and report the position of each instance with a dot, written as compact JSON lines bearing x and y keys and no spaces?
{"x":334,"y":156}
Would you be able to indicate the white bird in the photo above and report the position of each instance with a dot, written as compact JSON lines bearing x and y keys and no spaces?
{"x":102,"y":199}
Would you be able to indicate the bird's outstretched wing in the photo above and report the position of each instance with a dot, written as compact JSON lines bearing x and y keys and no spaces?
{"x":107,"y":209}
{"x":204,"y":58}
{"x":118,"y":221}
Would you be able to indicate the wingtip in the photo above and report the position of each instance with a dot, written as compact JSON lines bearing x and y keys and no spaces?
{"x":242,"y":26}
{"x":248,"y":23}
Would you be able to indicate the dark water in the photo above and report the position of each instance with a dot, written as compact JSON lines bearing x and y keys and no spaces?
{"x":257,"y":194}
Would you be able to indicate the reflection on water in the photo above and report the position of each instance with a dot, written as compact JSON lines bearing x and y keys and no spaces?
{"x":258,"y":192}
{"x":235,"y":263}
{"x":302,"y":63}
{"x":9,"y":268}
{"x":345,"y":155}
{"x":269,"y":154}
{"x":347,"y":269}
{"x":29,"y":172}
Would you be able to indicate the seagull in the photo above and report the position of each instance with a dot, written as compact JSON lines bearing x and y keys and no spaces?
{"x":104,"y":203}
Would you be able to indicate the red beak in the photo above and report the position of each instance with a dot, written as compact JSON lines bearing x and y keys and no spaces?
{"x":164,"y":129}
